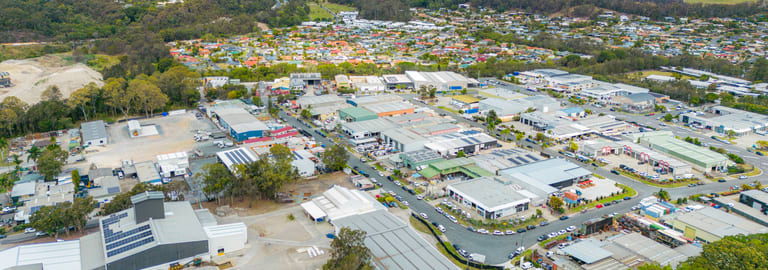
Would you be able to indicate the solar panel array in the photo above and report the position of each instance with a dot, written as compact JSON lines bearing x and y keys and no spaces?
{"x":129,"y":247}
{"x":112,"y":190}
{"x":119,"y":235}
{"x":237,"y":156}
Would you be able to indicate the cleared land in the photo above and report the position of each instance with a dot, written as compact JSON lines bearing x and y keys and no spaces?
{"x":318,"y":13}
{"x":32,"y":76}
{"x":639,"y":75}
{"x":336,"y":8}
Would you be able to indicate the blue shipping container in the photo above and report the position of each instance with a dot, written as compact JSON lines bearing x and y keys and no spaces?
{"x":471,"y":111}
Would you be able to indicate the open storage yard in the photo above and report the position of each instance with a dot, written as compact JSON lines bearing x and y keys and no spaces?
{"x":176,"y":133}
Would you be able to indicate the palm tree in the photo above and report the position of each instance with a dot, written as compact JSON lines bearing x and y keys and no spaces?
{"x":17,"y":161}
{"x":34,"y":153}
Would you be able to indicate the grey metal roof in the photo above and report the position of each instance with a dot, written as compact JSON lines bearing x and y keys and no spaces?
{"x":421,"y":155}
{"x":393,"y":244}
{"x":757,"y":195}
{"x":487,"y":192}
{"x":587,"y":250}
{"x":548,"y":171}
{"x":93,"y":130}
{"x":147,"y":196}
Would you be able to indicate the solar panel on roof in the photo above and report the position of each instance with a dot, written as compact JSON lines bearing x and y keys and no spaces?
{"x":119,"y":236}
{"x":514,"y":161}
{"x":128,"y":240}
{"x":232,"y":158}
{"x":130,"y":246}
{"x":238,"y":156}
{"x":532,"y":157}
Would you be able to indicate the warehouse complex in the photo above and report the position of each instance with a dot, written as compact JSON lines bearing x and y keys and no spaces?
{"x":489,"y":198}
{"x":241,"y":124}
{"x":709,"y":224}
{"x":724,"y":120}
{"x":151,"y":235}
{"x":665,"y":142}
{"x":392,"y":243}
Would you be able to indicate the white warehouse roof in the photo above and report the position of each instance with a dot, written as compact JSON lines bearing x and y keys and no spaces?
{"x":63,"y":255}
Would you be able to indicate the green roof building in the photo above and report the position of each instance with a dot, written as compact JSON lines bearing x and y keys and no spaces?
{"x":355,"y":114}
{"x":453,"y":166}
{"x":415,"y":160}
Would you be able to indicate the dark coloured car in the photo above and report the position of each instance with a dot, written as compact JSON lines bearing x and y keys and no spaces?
{"x":521,"y":230}
{"x":563,"y":217}
{"x":615,"y":172}
{"x":721,"y":180}
{"x":389,"y":177}
{"x":471,"y":229}
{"x":531,"y":227}
{"x":541,"y":238}
{"x":627,"y":198}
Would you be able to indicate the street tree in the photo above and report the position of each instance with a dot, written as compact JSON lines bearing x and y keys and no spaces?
{"x":662,"y":195}
{"x":216,"y":179}
{"x":119,"y":96}
{"x":556,"y":203}
{"x":573,"y":146}
{"x":348,"y":251}
{"x":82,"y":98}
{"x":668,"y":117}
{"x":50,"y":162}
{"x":76,"y":179}
{"x":148,"y":96}
{"x":305,"y":114}
{"x":335,"y":157}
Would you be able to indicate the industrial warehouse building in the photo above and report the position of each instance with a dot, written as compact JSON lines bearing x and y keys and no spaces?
{"x":301,"y":80}
{"x":441,"y":80}
{"x":709,"y":224}
{"x":355,"y":114}
{"x":727,"y":119}
{"x":756,"y":199}
{"x":555,"y":172}
{"x":240,"y":124}
{"x":489,"y":198}
{"x":359,"y":211}
{"x":151,"y":235}
{"x":468,"y":141}
{"x":94,"y":133}
{"x":234,"y":157}
{"x":665,"y":142}
{"x":397,"y":81}
{"x":418,"y":159}
{"x":597,"y":148}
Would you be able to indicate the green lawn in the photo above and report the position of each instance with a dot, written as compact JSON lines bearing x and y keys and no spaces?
{"x":448,"y":109}
{"x":318,"y":13}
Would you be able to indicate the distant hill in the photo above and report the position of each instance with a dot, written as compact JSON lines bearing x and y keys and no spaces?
{"x":655,"y":9}
{"x":36,"y":20}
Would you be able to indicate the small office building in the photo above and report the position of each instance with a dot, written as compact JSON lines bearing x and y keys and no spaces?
{"x":397,"y":81}
{"x":301,"y":80}
{"x":94,"y":133}
{"x":418,"y":159}
{"x":148,"y":173}
{"x":555,"y":172}
{"x":490,"y":199}
{"x":240,"y":124}
{"x":468,"y":141}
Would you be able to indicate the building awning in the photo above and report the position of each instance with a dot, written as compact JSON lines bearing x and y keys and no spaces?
{"x":429,"y":172}
{"x":313,"y":210}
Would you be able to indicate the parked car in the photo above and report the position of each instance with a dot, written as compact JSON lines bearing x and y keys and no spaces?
{"x":721,"y":180}
{"x":423,"y":215}
{"x":563,"y":217}
{"x":30,"y":230}
{"x":542,"y":238}
{"x":531,"y":227}
{"x":571,"y":228}
{"x":544,"y":223}
{"x":509,"y":232}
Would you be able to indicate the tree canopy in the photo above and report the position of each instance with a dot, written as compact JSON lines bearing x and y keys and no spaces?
{"x":732,"y":252}
{"x":335,"y":157}
{"x":348,"y":251}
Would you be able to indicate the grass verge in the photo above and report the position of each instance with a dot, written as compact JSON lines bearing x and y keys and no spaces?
{"x":448,"y":109}
{"x":655,"y":184}
{"x":423,"y":228}
{"x":447,"y":254}
{"x":754,"y":172}
{"x":598,"y":176}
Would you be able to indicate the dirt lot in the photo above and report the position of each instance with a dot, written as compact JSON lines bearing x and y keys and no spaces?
{"x":176,"y":135}
{"x":32,"y":76}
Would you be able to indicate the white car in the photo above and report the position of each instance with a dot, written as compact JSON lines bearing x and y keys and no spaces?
{"x":526,"y":265}
{"x":381,"y":174}
{"x":397,"y":183}
{"x":497,"y":232}
{"x":552,"y":234}
{"x":419,"y":197}
{"x":509,"y":232}
{"x":405,"y":203}
{"x":439,"y":210}
{"x":561,"y":232}
{"x":571,"y":228}
{"x":362,"y":160}
{"x":30,"y":230}
{"x":742,"y":177}
{"x":441,"y":228}
{"x":424,"y":215}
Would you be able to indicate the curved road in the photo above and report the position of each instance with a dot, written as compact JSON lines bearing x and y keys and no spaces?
{"x":497,"y":248}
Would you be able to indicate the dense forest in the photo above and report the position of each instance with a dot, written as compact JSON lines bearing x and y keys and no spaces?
{"x":34,"y":20}
{"x":655,"y":9}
